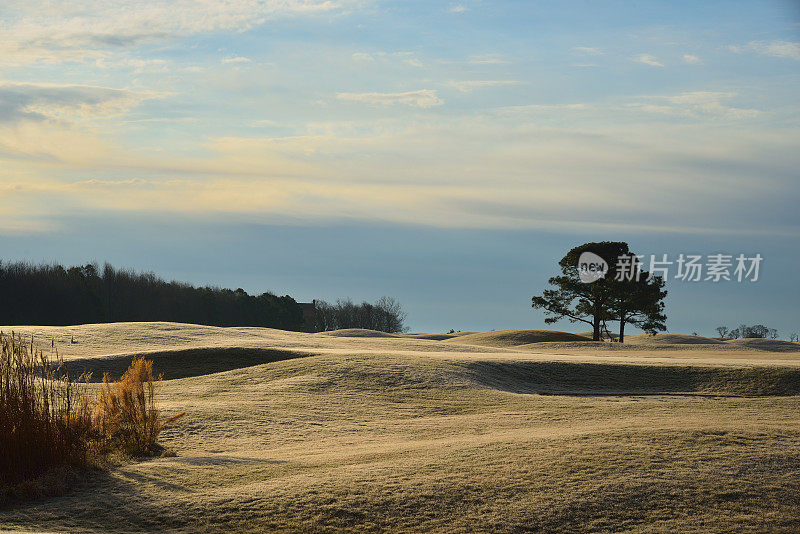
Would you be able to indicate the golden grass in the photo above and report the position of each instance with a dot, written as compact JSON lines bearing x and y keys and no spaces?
{"x":670,"y":339}
{"x":407,"y":444}
{"x":511,"y":338}
{"x":662,"y":339}
{"x":357,"y":332}
{"x":771,"y":345}
{"x":416,"y":435}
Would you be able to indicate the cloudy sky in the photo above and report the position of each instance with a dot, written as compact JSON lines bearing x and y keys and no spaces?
{"x":446,"y":153}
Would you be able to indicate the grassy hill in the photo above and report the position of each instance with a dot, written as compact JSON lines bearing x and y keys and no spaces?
{"x":772,"y":345}
{"x":670,"y":339}
{"x":511,"y":338}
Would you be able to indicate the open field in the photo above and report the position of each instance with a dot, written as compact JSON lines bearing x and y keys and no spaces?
{"x":363,"y":431}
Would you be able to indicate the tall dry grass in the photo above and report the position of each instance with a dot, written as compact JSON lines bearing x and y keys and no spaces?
{"x":45,"y":421}
{"x":50,"y":420}
{"x":125,"y":412}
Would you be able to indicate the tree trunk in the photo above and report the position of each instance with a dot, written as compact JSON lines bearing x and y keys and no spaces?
{"x":596,"y":330}
{"x":622,"y":329}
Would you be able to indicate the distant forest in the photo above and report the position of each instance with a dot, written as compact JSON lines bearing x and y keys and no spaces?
{"x":55,"y":295}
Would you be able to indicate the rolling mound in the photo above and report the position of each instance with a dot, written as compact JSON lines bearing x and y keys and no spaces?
{"x":390,"y":374}
{"x":434,"y":337}
{"x":82,"y":341}
{"x":357,"y":332}
{"x":670,"y":339}
{"x":513,"y":338}
{"x":770,"y":345}
{"x":366,"y":372}
{"x":420,"y":335}
{"x":660,"y":339}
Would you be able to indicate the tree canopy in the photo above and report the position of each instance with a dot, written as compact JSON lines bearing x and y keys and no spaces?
{"x":625,"y":293}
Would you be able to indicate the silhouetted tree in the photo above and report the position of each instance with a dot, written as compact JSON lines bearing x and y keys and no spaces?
{"x":639,"y":303}
{"x":385,"y":315}
{"x":755,"y":331}
{"x":773,"y":333}
{"x":578,"y":301}
{"x":634,"y":298}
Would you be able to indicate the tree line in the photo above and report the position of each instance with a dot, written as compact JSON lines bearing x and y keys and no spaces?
{"x":55,"y":295}
{"x":385,"y":315}
{"x":756,"y":331}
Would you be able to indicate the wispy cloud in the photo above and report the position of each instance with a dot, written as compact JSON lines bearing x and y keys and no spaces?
{"x":588,"y":50}
{"x":457,"y":8}
{"x":138,"y":65}
{"x":488,"y":59}
{"x":363,"y":56}
{"x":692,"y":60}
{"x":63,"y":30}
{"x":782,"y":49}
{"x":654,"y":166}
{"x":543,"y":108}
{"x":404,"y":57}
{"x":424,"y":98}
{"x":173,"y":120}
{"x":467,"y":86}
{"x":264,"y":122}
{"x":40,"y":101}
{"x":697,"y":105}
{"x":236,"y":59}
{"x":647,"y":59}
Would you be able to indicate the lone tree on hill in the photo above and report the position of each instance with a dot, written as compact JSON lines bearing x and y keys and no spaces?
{"x":636,"y":299}
{"x":639,"y":303}
{"x":576,"y":300}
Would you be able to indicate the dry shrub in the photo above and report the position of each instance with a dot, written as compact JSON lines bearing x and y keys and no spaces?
{"x":125,"y":411}
{"x":49,"y":421}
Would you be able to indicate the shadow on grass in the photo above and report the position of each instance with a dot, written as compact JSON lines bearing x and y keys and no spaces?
{"x":564,"y":378}
{"x":94,"y":504}
{"x":183,"y":363}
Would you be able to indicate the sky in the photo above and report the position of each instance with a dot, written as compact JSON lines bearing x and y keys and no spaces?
{"x":444,"y":153}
